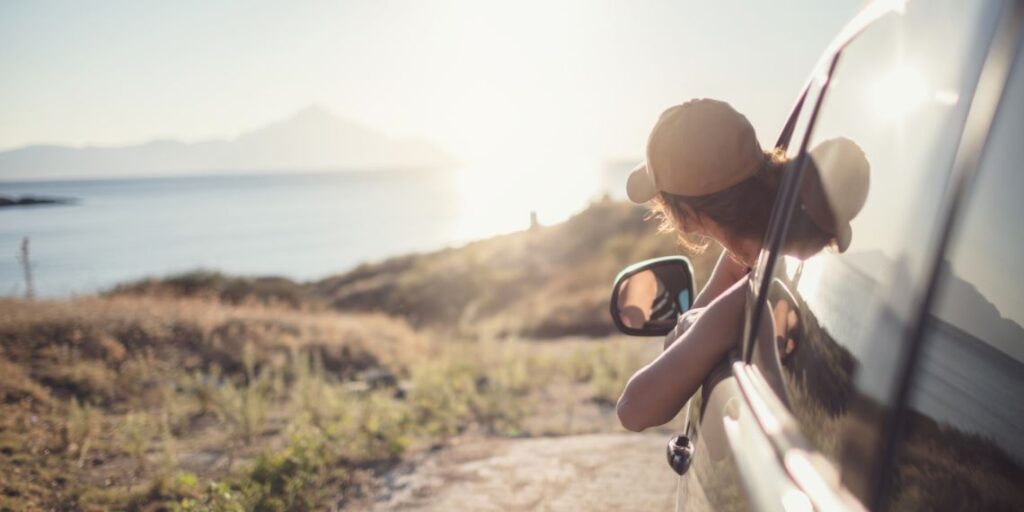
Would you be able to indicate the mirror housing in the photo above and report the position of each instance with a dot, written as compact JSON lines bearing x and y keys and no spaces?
{"x":648,"y":297}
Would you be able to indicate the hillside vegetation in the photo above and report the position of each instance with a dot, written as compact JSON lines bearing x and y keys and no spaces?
{"x":547,"y":282}
{"x":106,"y":401}
{"x":211,"y":392}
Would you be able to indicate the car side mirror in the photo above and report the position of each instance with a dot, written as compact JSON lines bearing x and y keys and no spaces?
{"x":648,"y":297}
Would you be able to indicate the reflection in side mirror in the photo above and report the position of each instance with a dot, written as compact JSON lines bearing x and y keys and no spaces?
{"x":648,"y":297}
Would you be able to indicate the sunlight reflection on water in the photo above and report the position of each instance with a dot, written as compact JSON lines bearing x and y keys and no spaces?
{"x":302,"y":226}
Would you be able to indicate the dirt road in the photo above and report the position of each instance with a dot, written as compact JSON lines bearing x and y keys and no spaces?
{"x":621,"y":472}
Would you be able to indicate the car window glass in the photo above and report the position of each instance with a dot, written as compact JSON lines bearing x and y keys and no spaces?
{"x":965,"y":449}
{"x":858,"y":239}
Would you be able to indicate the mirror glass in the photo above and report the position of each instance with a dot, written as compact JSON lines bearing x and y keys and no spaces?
{"x":647,"y":302}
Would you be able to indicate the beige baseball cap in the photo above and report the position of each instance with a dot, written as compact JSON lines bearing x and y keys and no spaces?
{"x":698,"y":148}
{"x":835,"y":187}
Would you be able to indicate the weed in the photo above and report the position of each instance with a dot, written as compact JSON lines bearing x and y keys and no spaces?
{"x":135,"y":438}
{"x":309,"y":388}
{"x":243,"y":409}
{"x":168,"y":458}
{"x":204,"y":389}
{"x":375,"y":426}
{"x":218,"y":497}
{"x":81,"y":429}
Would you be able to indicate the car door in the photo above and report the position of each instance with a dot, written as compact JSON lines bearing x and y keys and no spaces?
{"x":831,"y":327}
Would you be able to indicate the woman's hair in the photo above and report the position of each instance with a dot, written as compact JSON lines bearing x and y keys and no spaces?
{"x":743,"y":210}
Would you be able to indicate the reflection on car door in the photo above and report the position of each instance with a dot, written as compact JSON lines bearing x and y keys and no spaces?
{"x":900,"y":93}
{"x":964,"y":443}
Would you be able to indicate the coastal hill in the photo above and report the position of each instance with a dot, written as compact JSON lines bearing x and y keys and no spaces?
{"x":212,"y":392}
{"x":311,"y":139}
{"x":547,"y":282}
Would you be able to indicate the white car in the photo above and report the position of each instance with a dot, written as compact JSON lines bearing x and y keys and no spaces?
{"x":888,"y":376}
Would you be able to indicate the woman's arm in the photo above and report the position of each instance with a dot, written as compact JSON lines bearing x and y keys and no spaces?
{"x":725,"y":274}
{"x":657,"y":391}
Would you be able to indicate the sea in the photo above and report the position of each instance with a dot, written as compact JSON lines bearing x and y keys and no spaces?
{"x":303,"y":226}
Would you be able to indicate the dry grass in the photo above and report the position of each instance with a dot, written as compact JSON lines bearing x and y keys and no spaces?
{"x":107,"y":350}
{"x":100,"y":396}
{"x":141,"y":402}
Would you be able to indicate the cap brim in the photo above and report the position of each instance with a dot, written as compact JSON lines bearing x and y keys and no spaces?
{"x":844,"y":237}
{"x":640,"y":187}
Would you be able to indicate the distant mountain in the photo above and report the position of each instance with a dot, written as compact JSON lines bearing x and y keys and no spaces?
{"x":312,"y":139}
{"x":961,"y":303}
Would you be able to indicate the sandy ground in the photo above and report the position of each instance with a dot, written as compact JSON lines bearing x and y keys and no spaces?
{"x":620,"y":472}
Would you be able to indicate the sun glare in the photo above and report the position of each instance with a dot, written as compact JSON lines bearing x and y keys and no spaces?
{"x":896,"y":94}
{"x":810,"y":276}
{"x":500,"y":197}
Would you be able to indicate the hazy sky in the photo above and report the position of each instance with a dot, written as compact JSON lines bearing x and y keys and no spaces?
{"x":482,"y":79}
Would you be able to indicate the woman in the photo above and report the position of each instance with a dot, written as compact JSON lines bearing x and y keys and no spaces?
{"x":707,"y":177}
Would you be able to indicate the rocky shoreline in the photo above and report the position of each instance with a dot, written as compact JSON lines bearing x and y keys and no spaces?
{"x":13,"y":201}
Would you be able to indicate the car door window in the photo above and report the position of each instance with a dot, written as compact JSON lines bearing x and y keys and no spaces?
{"x":965,"y":444}
{"x":856,"y":246}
